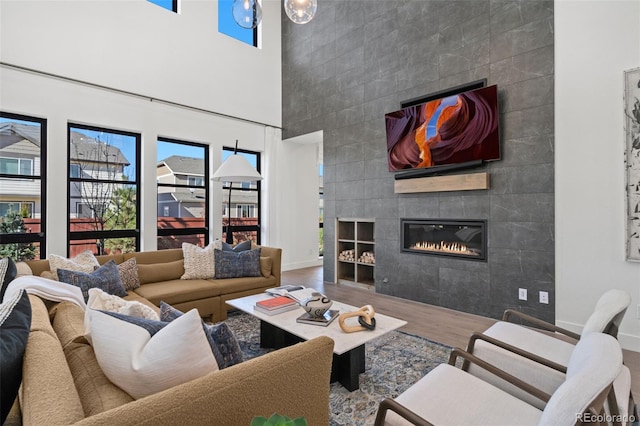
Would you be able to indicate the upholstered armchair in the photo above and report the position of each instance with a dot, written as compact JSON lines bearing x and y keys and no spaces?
{"x":540,"y":356}
{"x":450,"y":396}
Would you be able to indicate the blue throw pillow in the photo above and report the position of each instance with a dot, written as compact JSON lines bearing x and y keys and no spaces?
{"x":106,"y":278}
{"x":224,"y":345}
{"x":15,"y":323}
{"x":243,"y":246}
{"x":230,"y":264}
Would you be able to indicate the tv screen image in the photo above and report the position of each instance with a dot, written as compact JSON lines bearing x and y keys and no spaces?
{"x":450,"y":130}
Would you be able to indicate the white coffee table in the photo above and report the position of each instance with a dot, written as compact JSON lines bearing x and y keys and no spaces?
{"x":281,"y":330}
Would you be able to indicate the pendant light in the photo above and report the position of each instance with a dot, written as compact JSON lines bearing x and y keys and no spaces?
{"x":247,"y":13}
{"x":300,"y":11}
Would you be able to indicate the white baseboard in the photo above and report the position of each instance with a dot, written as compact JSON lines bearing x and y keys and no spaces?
{"x":300,"y":265}
{"x":627,"y":341}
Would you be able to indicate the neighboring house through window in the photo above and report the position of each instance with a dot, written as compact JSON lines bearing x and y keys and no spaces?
{"x":104,"y":183}
{"x":22,"y":186}
{"x":182,"y":176}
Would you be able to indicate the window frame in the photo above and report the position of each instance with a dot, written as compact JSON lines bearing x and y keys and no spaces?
{"x":103,"y":234}
{"x":167,"y":232}
{"x":32,"y":237}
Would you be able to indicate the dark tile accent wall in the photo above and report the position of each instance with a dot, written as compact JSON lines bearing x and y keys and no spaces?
{"x":357,"y":60}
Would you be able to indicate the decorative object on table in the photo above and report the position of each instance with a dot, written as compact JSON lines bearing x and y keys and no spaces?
{"x":632,"y":160}
{"x":278,"y":420}
{"x":236,"y":168}
{"x":323,"y":320}
{"x":316,"y":304}
{"x":276,"y":305}
{"x":366,"y":320}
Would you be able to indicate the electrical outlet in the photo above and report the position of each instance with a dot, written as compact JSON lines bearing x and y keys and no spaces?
{"x":522,"y":294}
{"x":544,"y":297}
{"x":638,"y":312}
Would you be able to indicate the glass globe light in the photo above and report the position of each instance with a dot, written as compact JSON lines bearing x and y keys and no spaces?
{"x":300,"y":11}
{"x":247,"y":13}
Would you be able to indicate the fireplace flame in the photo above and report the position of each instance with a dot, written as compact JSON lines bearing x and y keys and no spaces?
{"x":444,"y":247}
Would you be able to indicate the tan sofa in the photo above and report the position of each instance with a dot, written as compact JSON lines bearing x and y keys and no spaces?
{"x":63,"y":384}
{"x":160,"y":273}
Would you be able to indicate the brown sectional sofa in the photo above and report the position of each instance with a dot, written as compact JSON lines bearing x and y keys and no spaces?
{"x":160,"y":273}
{"x":62,"y":382}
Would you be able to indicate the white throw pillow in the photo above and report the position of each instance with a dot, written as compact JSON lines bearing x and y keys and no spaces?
{"x":103,"y":301}
{"x":142,"y":365}
{"x":198,"y":262}
{"x":84,"y":262}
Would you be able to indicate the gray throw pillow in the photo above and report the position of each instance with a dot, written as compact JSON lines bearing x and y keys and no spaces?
{"x":106,"y":278}
{"x":243,"y":246}
{"x":230,"y":264}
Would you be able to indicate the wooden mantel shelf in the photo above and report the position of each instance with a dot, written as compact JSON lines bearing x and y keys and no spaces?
{"x":466,"y":182}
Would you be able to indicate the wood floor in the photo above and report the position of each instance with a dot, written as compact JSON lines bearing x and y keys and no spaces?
{"x":438,"y":324}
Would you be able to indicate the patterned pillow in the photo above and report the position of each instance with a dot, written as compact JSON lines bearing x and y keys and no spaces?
{"x":15,"y":322}
{"x":106,"y":278}
{"x":129,"y":274}
{"x":223,"y":342}
{"x":8,"y":272}
{"x":143,"y":362}
{"x":198,"y":262}
{"x":234,"y":265}
{"x":84,"y":262}
{"x":102,"y":301}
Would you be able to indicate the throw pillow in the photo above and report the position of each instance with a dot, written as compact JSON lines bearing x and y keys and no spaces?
{"x":84,"y":262}
{"x":129,"y":274}
{"x":15,"y":322}
{"x":102,"y":301}
{"x":266,"y":263}
{"x":142,"y":364}
{"x":243,"y":246}
{"x":23,"y":269}
{"x":106,"y":277}
{"x":223,"y":342}
{"x":198,"y":262}
{"x":8,"y":272}
{"x":234,"y":265}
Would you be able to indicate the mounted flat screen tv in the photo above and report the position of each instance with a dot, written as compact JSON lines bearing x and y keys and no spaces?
{"x":459,"y":129}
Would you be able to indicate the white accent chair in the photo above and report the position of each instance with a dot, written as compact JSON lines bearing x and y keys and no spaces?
{"x":450,"y":396}
{"x":541,"y":357}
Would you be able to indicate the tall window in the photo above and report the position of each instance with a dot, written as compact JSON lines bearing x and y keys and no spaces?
{"x":23,"y":143}
{"x":171,"y":5}
{"x":245,"y":202}
{"x":227,"y":25}
{"x":104,"y":183}
{"x":183,"y":193}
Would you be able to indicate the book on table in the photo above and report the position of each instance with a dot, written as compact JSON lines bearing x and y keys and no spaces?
{"x":323,"y":321}
{"x":283,"y":290}
{"x":276,"y":305}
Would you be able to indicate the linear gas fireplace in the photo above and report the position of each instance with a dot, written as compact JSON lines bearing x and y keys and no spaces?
{"x":465,"y":239}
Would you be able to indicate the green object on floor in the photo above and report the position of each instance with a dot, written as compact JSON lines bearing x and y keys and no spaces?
{"x":278,"y":420}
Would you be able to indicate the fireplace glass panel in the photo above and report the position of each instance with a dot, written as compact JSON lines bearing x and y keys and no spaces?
{"x":452,"y":238}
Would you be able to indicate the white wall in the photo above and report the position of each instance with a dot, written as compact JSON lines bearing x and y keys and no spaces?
{"x":293,"y":198}
{"x":136,"y":46}
{"x":595,"y":42}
